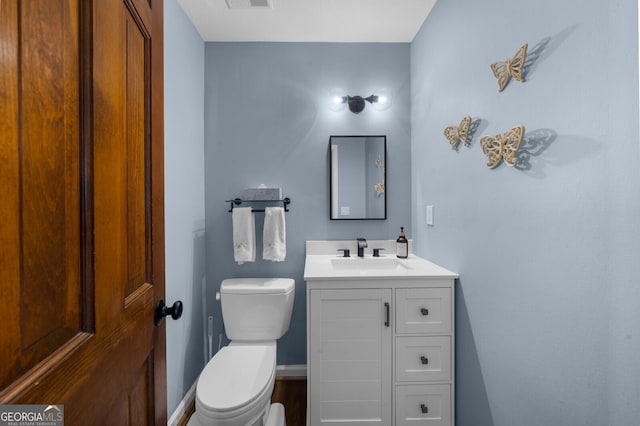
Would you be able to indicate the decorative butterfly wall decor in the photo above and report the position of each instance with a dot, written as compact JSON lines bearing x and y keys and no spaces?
{"x":379,"y":164}
{"x":460,"y":133}
{"x":379,"y":188}
{"x":502,"y":147}
{"x":513,"y":67}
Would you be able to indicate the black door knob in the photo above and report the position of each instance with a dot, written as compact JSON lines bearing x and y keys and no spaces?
{"x":163,"y":310}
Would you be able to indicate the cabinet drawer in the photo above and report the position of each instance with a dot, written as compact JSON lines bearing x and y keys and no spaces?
{"x":421,"y":359}
{"x":423,"y":310}
{"x":424,"y":405}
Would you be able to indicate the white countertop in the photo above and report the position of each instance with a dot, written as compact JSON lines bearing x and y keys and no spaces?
{"x":323,"y":262}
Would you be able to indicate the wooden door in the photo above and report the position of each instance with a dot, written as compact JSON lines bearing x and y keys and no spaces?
{"x":81,"y":208}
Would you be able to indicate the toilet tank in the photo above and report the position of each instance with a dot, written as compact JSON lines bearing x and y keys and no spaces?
{"x":256,"y":309}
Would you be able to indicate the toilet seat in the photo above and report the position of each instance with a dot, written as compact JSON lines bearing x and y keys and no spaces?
{"x":235,"y":386}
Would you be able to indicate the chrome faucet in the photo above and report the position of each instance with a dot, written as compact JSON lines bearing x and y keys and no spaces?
{"x":362,"y":244}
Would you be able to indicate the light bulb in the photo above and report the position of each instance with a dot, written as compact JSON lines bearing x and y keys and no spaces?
{"x":384,"y":100}
{"x":337,"y":98}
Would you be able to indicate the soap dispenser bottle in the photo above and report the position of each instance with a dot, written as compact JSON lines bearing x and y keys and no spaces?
{"x":402,"y":245}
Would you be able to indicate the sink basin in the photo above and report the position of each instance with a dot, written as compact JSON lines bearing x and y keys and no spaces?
{"x":368,"y":264}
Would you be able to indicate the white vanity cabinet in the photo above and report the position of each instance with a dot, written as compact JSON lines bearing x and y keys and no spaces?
{"x":380,"y":338}
{"x":380,"y":352}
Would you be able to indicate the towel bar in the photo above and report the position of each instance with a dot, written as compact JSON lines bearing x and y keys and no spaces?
{"x":238,"y":201}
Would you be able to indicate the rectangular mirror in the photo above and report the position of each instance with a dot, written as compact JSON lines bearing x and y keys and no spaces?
{"x":358,"y":177}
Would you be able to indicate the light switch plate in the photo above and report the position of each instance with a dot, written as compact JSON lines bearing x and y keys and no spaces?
{"x":429,"y":215}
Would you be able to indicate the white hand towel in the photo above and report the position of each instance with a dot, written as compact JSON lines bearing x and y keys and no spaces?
{"x":274,"y":235}
{"x":244,"y":235}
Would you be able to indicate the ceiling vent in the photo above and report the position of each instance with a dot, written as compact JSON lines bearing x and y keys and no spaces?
{"x":249,"y":4}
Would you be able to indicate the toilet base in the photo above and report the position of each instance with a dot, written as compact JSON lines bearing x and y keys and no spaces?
{"x":276,"y":415}
{"x":275,"y":418}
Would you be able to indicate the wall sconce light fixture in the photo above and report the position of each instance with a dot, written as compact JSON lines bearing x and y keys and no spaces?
{"x":379,"y":100}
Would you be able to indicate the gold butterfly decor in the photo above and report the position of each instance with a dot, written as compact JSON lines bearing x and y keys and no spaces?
{"x":379,"y":163}
{"x":513,"y":67}
{"x":379,"y":188}
{"x":460,"y":133}
{"x":502,"y":147}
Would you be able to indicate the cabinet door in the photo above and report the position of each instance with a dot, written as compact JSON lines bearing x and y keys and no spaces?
{"x":350,"y":357}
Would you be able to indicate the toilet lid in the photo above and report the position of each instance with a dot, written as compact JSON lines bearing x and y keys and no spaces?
{"x":257,"y":286}
{"x":235,"y":376}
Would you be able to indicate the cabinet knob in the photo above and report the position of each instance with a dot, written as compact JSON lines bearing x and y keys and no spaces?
{"x":424,"y":311}
{"x":424,"y":409}
{"x":424,"y":359}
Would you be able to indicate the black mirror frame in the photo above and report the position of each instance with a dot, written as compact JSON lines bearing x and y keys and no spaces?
{"x":384,"y":141}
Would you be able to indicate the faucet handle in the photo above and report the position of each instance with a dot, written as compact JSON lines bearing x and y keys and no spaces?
{"x":346,"y":252}
{"x":376,"y":252}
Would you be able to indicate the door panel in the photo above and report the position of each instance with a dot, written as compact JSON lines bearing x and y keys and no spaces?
{"x":137,"y":67}
{"x":49,"y":176}
{"x":82,"y":261}
{"x":40,"y":269}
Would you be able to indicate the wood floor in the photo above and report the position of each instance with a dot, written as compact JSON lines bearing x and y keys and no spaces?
{"x":292,"y":393}
{"x":289,"y":391}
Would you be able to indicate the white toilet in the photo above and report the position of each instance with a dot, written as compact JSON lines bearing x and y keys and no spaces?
{"x":235,"y":387}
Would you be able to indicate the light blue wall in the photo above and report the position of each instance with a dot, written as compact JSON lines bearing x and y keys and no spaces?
{"x":184,"y":199}
{"x":548,"y":301}
{"x":267,"y":120}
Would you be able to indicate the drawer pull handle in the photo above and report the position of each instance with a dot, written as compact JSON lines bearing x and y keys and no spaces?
{"x":386,"y":307}
{"x":424,"y":409}
{"x":424,"y":311}
{"x":424,"y":359}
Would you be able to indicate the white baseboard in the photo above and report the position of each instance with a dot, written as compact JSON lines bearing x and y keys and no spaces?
{"x":295,"y":370}
{"x":182,"y":407}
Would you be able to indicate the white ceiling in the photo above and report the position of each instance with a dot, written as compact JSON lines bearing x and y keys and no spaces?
{"x":381,"y":21}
